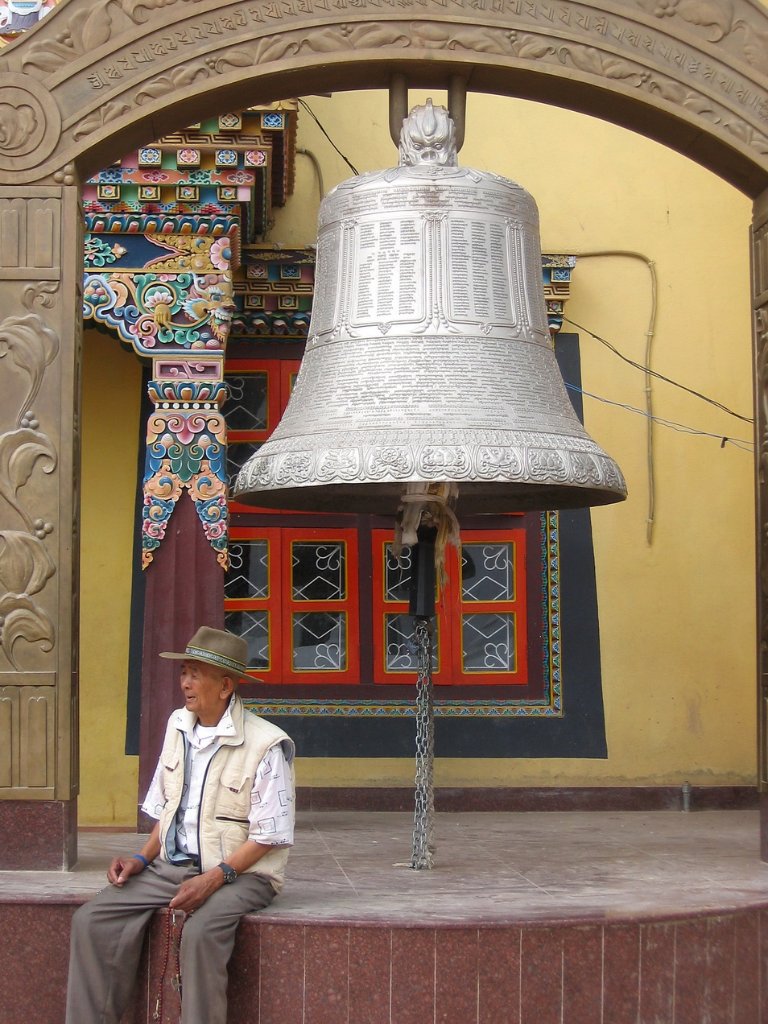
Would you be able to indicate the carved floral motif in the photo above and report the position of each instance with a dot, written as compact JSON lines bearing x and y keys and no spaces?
{"x":157,"y":311}
{"x":637,"y":69}
{"x":89,"y":27}
{"x":17,"y":123}
{"x":32,"y":347}
{"x":593,"y":61}
{"x":733,"y":23}
{"x":716,"y":18}
{"x":30,"y":122}
{"x":25,"y":568}
{"x":25,"y":563}
{"x":719,"y":21}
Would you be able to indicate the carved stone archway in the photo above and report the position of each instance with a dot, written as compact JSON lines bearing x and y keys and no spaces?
{"x":97,"y":77}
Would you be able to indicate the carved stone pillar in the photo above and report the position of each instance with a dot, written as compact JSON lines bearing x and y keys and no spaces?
{"x":40,"y":344}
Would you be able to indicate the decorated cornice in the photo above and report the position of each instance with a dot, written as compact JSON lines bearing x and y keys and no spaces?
{"x":557,"y":270}
{"x":274,"y":294}
{"x":171,"y":221}
{"x":162,"y":312}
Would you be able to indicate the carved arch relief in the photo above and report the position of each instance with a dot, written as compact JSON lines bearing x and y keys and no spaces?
{"x":689,"y":72}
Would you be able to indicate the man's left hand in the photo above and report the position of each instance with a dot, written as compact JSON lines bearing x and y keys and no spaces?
{"x":195,"y":891}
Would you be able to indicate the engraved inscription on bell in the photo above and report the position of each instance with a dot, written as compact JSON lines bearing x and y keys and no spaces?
{"x":429,"y":358}
{"x":458,"y":255}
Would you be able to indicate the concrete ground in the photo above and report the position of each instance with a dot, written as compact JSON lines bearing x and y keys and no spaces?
{"x":352,"y":867}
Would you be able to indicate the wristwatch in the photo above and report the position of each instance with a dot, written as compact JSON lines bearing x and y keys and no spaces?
{"x":229,"y":873}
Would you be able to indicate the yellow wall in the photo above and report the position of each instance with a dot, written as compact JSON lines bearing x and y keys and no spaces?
{"x":111,"y":400}
{"x":676,"y":617}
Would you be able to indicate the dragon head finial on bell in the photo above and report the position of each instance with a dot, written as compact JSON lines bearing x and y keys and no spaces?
{"x":429,"y":368}
{"x":428,"y":136}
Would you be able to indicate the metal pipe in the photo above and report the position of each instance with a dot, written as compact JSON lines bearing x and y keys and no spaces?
{"x":398,"y":105}
{"x":457,"y":106}
{"x":686,"y":790}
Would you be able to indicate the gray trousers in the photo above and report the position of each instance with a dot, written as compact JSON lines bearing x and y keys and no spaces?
{"x":107,"y":937}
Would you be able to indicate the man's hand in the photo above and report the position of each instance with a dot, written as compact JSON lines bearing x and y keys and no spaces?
{"x":195,"y":891}
{"x":121,"y":869}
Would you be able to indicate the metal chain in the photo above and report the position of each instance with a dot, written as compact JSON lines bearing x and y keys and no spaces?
{"x":424,"y":813}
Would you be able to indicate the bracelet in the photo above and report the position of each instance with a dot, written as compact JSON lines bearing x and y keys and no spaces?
{"x":141,"y":857}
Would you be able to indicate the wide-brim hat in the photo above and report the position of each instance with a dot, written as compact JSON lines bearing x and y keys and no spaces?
{"x":217,"y":647}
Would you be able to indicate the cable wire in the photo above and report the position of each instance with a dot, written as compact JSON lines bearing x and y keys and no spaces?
{"x":649,"y":335}
{"x":314,"y":116}
{"x":737,"y":442}
{"x":660,"y":376}
{"x":316,"y":166}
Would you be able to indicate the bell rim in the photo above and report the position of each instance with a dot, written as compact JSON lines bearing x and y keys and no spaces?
{"x":477,"y":497}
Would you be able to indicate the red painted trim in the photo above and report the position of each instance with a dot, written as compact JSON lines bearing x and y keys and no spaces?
{"x":517,"y":607}
{"x":348,"y":606}
{"x":272,"y":604}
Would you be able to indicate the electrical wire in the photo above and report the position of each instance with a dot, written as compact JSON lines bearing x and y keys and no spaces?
{"x":649,"y":336}
{"x":660,"y":376}
{"x":316,"y":166}
{"x":314,"y":116}
{"x":737,"y":442}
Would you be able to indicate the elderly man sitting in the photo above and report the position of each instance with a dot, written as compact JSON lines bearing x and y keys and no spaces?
{"x":223,"y":798}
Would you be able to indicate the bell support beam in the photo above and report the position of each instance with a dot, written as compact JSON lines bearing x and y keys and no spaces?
{"x":398,"y":106}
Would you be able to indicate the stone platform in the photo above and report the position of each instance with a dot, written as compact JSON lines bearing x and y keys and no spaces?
{"x":527,"y":918}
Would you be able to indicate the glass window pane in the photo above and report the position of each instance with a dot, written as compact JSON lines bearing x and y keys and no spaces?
{"x":400,"y":645}
{"x":488,"y":643}
{"x":319,"y":641}
{"x":397,"y":574}
{"x":248,"y":573}
{"x":317,"y":571}
{"x":488,"y":572}
{"x":254,"y":628}
{"x":246,"y":407}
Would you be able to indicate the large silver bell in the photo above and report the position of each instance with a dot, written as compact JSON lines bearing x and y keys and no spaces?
{"x":429,"y":360}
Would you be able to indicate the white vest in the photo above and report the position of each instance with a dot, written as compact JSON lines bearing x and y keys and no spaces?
{"x":226,"y":798}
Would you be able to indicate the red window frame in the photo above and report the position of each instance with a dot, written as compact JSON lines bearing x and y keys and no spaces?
{"x":279,"y":385}
{"x":280,"y":605}
{"x":517,"y":606}
{"x":381,"y":607}
{"x":271,"y":604}
{"x":449,"y":611}
{"x":349,"y":606}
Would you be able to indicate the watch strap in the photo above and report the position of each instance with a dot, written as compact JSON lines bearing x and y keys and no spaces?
{"x":229,"y":873}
